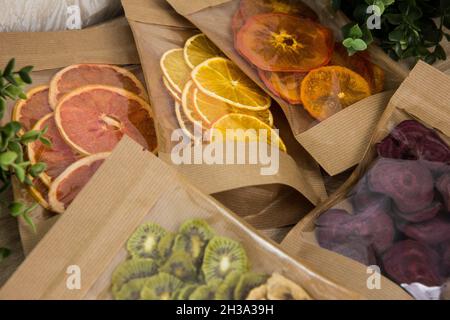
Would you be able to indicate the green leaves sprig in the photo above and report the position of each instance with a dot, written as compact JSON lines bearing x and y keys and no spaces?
{"x":409,"y":28}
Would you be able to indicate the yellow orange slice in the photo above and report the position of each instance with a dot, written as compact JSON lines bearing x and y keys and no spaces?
{"x":171,"y":90}
{"x":221,"y":79}
{"x":93,"y":119}
{"x":79,"y":75}
{"x":175,"y":69}
{"x":69,"y":184}
{"x":184,"y":123}
{"x":241,"y":125}
{"x":32,"y":109}
{"x":211,"y":110}
{"x":327,"y":90}
{"x":199,"y":49}
{"x":188,"y":104}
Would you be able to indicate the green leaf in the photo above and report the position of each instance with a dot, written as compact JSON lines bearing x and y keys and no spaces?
{"x":16,"y":208}
{"x":355,"y":32}
{"x":4,"y":253}
{"x":359,"y":45}
{"x":29,"y":220}
{"x":26,"y":69}
{"x":37,"y":169}
{"x":25,"y":77}
{"x":397,"y":35}
{"x":30,"y":136}
{"x":7,"y":158}
{"x":45,"y":142}
{"x":9,"y":67}
{"x":347,"y":42}
{"x":20,"y":172}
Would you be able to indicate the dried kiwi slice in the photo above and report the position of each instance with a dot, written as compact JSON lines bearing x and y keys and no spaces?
{"x":144,"y":241}
{"x":161,"y":287}
{"x":193,"y":238}
{"x":205,"y":292}
{"x":247,"y":283}
{"x":165,"y":245}
{"x":185,"y":292}
{"x":133,"y":269}
{"x":131,"y":290}
{"x":223,"y":256}
{"x":225,"y":291}
{"x":181,"y":266}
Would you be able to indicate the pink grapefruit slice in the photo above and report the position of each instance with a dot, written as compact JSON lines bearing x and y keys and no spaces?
{"x":79,"y":75}
{"x":69,"y":184}
{"x":29,"y":111}
{"x":39,"y":191}
{"x":93,"y":119}
{"x":58,"y":157}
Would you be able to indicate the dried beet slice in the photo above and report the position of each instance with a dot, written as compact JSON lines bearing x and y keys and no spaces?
{"x":432,"y":232}
{"x":285,"y":85}
{"x":436,"y":168}
{"x":284,"y":43}
{"x":445,"y":259}
{"x":393,"y":149}
{"x":408,"y":183}
{"x":362,"y":197}
{"x":425,"y":214}
{"x":69,"y":184}
{"x":333,"y":217}
{"x":410,"y":261}
{"x":356,"y":250}
{"x":249,"y":8}
{"x":443,"y":186}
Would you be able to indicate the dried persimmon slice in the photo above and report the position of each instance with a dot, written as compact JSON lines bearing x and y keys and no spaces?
{"x":250,"y":8}
{"x":327,"y":90}
{"x":284,"y":43}
{"x":94,"y":119}
{"x":79,"y":75}
{"x":285,"y":85}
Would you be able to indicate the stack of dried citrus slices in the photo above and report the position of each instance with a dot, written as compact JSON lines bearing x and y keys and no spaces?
{"x":212,"y":92}
{"x":297,"y":59}
{"x":84,"y":112}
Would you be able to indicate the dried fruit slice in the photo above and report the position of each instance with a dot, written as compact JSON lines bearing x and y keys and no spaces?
{"x":67,"y":186}
{"x":171,"y":90}
{"x":210,"y":110}
{"x":58,"y":157}
{"x":184,"y":123}
{"x":175,"y":69}
{"x":94,"y":119}
{"x":327,"y":90}
{"x":32,"y":109}
{"x":79,"y":75}
{"x":245,"y":128}
{"x":189,"y":105}
{"x":250,"y":8}
{"x":286,"y":43}
{"x":285,"y":85}
{"x":281,"y":288}
{"x":199,"y":49}
{"x":39,"y":191}
{"x":221,"y":79}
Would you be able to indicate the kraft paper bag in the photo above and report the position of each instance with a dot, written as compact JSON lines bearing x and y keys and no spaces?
{"x":267,"y":202}
{"x":92,"y":234}
{"x":422,"y":97}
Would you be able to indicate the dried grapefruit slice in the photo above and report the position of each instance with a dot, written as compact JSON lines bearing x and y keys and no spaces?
{"x":199,"y":49}
{"x":221,"y":79}
{"x":94,"y":119}
{"x":171,"y":90}
{"x":237,"y":122}
{"x":211,"y":110}
{"x":58,"y":157}
{"x":79,"y":75}
{"x":250,"y":8}
{"x":39,"y":191}
{"x":188,"y":104}
{"x":30,"y":110}
{"x":285,"y":85}
{"x":175,"y":69}
{"x":285,"y":43}
{"x":69,"y":184}
{"x":327,"y":90}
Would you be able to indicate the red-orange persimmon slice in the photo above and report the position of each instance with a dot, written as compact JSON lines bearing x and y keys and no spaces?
{"x":250,"y":8}
{"x":285,"y":85}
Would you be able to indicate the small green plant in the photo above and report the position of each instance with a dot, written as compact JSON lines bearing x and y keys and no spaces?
{"x":12,"y":143}
{"x":407,"y":28}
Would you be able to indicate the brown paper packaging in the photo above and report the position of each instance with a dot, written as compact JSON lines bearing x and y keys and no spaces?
{"x":108,"y":43}
{"x":266,"y":201}
{"x":422,"y":96}
{"x":92,"y":233}
{"x":337,"y":143}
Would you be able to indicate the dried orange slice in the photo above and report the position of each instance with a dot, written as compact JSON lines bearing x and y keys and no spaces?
{"x":69,"y":184}
{"x":94,"y":119}
{"x":211,"y":110}
{"x":199,"y":49}
{"x":185,"y":124}
{"x":360,"y":63}
{"x":250,"y":8}
{"x":175,"y":69}
{"x":285,"y":85}
{"x":285,"y":43}
{"x":221,"y":79}
{"x":39,"y":191}
{"x":327,"y":90}
{"x":30,"y":110}
{"x":79,"y":75}
{"x":171,"y":90}
{"x":188,"y":104}
{"x":58,"y":157}
{"x":241,"y":125}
